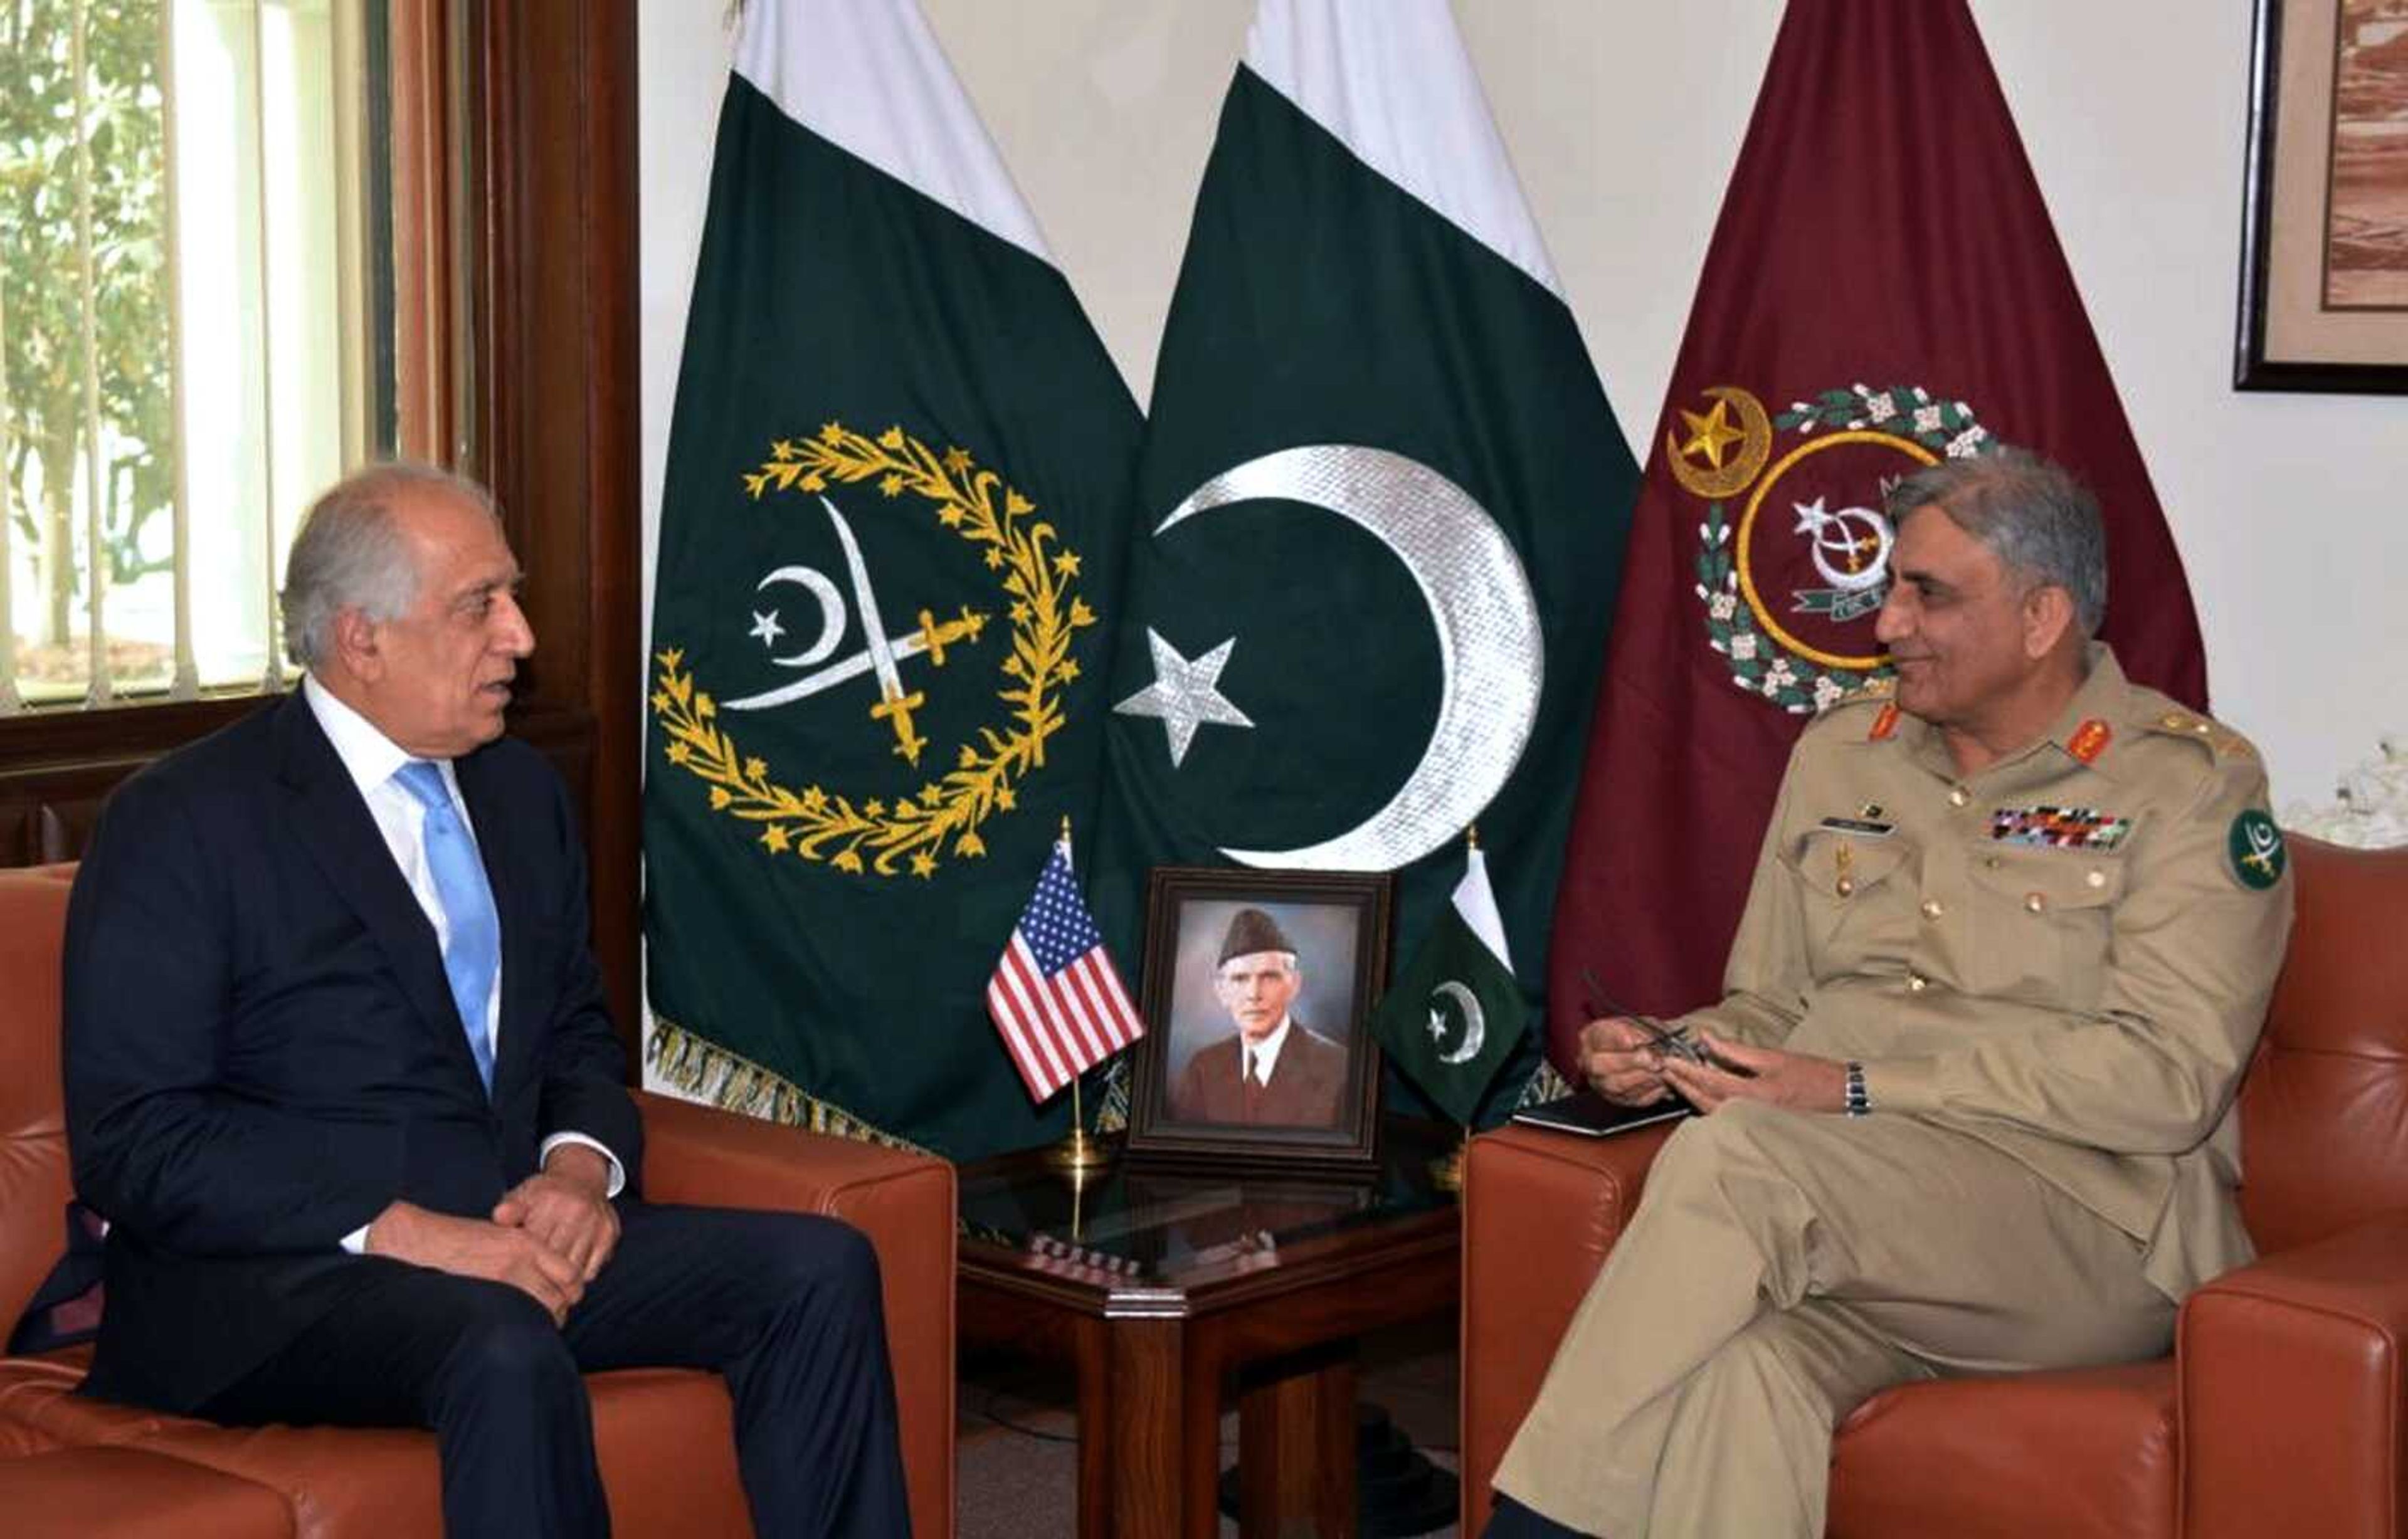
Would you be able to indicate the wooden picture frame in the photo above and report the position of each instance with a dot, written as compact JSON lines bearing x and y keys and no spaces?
{"x":2324,"y":249}
{"x":1317,"y":1104}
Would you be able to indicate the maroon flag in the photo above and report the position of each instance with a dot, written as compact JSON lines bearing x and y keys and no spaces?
{"x":1883,"y":288}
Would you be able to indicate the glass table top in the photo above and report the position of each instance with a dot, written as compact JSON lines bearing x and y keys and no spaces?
{"x":1142,"y":1224}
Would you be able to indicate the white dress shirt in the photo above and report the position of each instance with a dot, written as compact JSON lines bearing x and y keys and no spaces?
{"x":1266,"y":1054}
{"x":372,"y":760}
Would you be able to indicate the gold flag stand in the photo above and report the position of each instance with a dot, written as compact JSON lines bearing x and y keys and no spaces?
{"x":1446,"y":1171}
{"x":1082,"y":1154}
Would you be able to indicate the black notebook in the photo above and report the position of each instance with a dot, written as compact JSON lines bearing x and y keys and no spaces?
{"x":1592,"y":1116}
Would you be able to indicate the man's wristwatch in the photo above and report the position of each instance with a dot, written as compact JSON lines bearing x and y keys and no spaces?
{"x":1857,"y":1104}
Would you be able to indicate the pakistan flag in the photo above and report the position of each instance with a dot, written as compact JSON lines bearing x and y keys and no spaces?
{"x":1446,"y":1022}
{"x":1382,"y":500}
{"x":888,"y":570}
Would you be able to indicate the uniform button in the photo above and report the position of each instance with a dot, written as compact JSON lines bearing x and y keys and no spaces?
{"x":2095,"y":877}
{"x":2034,"y":902}
{"x":1960,"y":796}
{"x":1931,"y":909}
{"x":2202,"y":728}
{"x":1916,"y":983}
{"x":1991,"y":863}
{"x":1845,"y":886}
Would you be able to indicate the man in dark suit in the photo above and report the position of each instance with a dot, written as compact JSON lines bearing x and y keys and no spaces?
{"x":339,"y":1074}
{"x":1272,"y":1070}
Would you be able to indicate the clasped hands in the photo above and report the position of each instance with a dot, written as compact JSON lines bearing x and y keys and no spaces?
{"x":548,"y":1237}
{"x":1626,"y":1064}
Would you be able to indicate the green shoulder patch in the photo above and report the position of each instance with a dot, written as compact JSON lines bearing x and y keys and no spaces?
{"x":2256,"y":847}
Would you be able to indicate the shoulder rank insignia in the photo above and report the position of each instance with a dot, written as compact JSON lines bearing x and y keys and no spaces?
{"x":2089,"y":740}
{"x":2256,"y":847}
{"x":2214,"y":736}
{"x":1884,"y":724}
{"x":2058,"y":828}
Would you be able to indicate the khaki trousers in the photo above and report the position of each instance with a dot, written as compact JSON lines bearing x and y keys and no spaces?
{"x":1781,"y":1268}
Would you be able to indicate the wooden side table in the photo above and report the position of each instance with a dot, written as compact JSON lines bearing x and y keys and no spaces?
{"x":1164,"y":1289}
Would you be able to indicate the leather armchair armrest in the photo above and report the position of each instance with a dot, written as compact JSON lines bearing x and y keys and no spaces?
{"x":1540,"y":1210}
{"x":2290,"y":1374}
{"x":904,"y":1202}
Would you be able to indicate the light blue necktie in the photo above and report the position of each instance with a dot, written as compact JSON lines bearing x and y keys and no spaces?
{"x":474,"y":954}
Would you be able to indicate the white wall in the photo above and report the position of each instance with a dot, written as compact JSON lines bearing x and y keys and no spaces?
{"x":1624,"y":118}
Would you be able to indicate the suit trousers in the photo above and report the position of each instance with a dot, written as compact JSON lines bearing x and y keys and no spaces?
{"x":1781,"y":1268}
{"x":786,"y":1306}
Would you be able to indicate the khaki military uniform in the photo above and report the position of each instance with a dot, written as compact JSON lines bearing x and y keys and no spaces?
{"x":2054,"y":972}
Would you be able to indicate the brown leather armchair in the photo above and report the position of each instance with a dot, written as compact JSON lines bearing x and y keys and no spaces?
{"x":665,"y":1438}
{"x":2281,"y":1410}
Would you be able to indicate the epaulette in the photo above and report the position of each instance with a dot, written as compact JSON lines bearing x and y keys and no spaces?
{"x":2208,"y":733}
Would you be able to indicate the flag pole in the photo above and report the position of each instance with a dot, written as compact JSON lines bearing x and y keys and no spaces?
{"x":1077,"y":1156}
{"x":1446,"y":1172}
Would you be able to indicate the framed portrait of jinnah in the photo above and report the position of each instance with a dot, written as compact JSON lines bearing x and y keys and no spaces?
{"x":1258,"y":989}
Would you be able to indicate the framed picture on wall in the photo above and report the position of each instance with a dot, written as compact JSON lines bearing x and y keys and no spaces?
{"x":1258,"y":989}
{"x":2324,"y":258}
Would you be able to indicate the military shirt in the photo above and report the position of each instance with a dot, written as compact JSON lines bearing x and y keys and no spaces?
{"x":2067,"y":954}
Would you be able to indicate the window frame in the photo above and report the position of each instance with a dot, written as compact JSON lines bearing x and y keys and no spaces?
{"x":518,"y":364}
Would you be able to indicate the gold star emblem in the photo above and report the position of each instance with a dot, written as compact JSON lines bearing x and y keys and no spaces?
{"x":1711,"y":433}
{"x":774,"y":839}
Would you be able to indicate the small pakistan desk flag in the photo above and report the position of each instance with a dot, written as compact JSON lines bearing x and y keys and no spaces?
{"x":1455,"y":1015}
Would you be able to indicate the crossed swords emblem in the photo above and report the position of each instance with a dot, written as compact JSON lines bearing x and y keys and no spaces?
{"x":2264,"y":840}
{"x":881,"y":655}
{"x":1866,"y":553}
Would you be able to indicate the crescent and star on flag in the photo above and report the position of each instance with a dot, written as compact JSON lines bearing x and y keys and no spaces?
{"x":1492,"y":656}
{"x":1466,"y":1008}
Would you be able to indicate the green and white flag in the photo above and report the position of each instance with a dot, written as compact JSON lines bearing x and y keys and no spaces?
{"x":890,"y":546}
{"x":1451,"y":1020}
{"x":1382,"y":498}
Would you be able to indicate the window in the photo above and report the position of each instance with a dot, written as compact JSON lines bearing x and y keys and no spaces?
{"x":188,"y":320}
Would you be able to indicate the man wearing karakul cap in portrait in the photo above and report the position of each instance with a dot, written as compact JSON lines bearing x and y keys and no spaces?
{"x":1272,"y":1070}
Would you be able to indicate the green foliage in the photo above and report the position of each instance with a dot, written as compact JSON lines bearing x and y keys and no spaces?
{"x":43,"y":319}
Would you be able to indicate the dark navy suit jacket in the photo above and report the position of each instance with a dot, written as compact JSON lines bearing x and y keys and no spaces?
{"x":262,"y":1051}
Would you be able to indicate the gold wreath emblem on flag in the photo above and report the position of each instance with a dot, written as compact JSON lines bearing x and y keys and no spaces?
{"x":906,"y":827}
{"x":1724,"y":456}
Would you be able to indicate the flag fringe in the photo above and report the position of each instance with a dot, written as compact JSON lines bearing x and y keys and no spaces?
{"x":1546,"y":1084}
{"x":1112,"y":1110}
{"x":712,"y":1074}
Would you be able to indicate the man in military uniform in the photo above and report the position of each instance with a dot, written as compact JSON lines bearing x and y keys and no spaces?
{"x":1969,"y":1091}
{"x":1272,"y":1070}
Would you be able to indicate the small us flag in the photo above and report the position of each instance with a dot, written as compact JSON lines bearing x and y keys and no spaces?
{"x":1054,"y":995}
